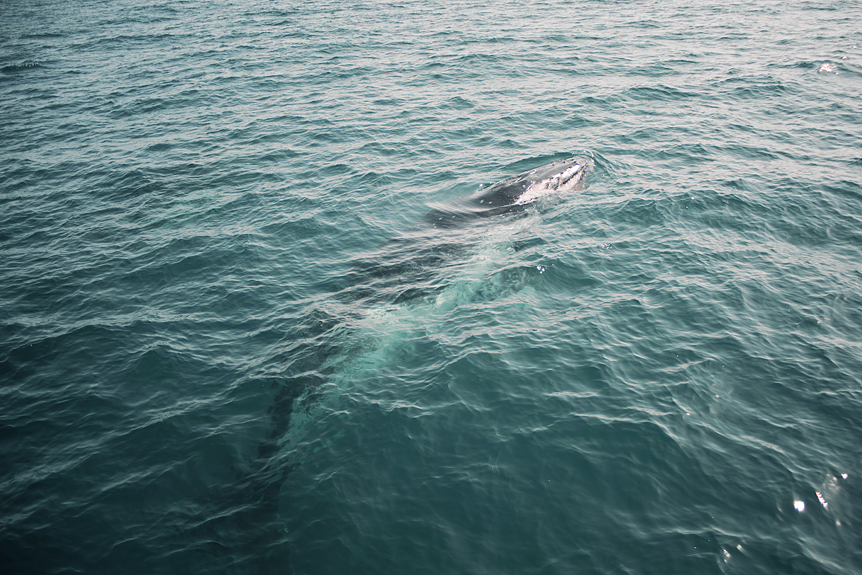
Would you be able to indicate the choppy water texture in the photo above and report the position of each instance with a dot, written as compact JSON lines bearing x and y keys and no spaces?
{"x":230,"y":342}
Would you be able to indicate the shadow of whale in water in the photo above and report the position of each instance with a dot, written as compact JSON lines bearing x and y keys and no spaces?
{"x":408,"y":269}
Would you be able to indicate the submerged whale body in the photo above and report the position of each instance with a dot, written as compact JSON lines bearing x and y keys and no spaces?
{"x":425,"y":267}
{"x":414,"y":267}
{"x":515,"y":193}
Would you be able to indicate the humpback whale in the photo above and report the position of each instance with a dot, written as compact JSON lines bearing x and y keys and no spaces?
{"x":432,"y":267}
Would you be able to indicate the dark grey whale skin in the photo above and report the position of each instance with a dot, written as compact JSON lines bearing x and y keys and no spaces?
{"x":503,"y":196}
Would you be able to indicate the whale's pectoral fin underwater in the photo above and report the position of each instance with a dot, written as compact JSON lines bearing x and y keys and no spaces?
{"x":516,"y":192}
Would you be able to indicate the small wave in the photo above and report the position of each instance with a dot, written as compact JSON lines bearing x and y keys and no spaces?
{"x":20,"y":67}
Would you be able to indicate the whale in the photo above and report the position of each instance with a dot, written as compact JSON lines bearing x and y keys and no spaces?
{"x":382,"y":295}
{"x":514,"y":193}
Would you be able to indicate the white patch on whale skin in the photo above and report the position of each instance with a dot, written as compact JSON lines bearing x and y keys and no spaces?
{"x":561,"y":182}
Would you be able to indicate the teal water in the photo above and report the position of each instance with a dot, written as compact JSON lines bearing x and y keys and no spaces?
{"x":229,"y":345}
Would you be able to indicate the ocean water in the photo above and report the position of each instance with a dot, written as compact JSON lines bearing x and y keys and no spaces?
{"x":229,"y":344}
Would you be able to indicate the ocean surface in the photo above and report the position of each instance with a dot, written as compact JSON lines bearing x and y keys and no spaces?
{"x":229,"y":342}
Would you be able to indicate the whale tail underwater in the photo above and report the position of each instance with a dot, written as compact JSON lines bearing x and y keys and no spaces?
{"x":420,"y":267}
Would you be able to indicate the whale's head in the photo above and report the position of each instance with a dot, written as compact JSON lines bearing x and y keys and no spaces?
{"x":515,"y":192}
{"x":558,"y":177}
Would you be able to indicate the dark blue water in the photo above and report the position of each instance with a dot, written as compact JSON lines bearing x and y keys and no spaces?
{"x":229,"y":343}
